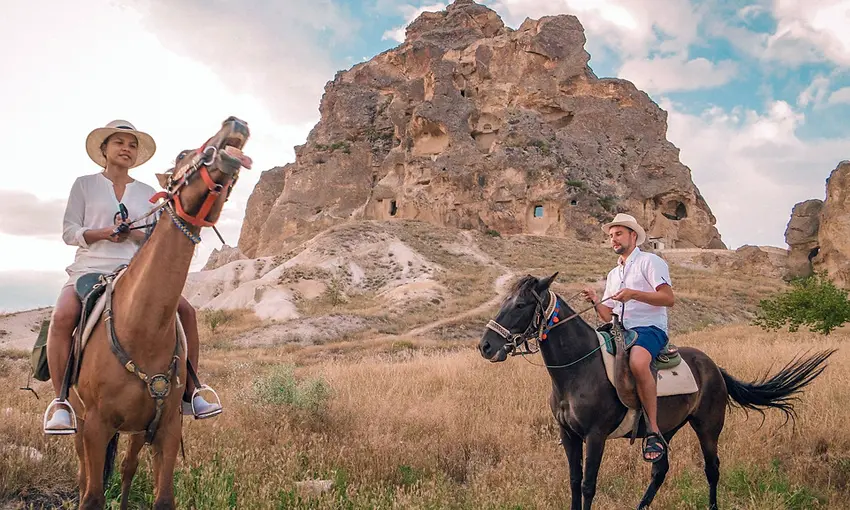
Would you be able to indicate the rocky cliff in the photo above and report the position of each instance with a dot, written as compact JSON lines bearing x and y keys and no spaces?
{"x":801,"y":236}
{"x":472,"y":124}
{"x":833,"y":255}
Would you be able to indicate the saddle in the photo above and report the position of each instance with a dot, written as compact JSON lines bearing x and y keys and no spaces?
{"x":667,"y":358}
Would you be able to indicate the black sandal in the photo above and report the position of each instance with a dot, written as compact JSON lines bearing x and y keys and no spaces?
{"x":654,"y":443}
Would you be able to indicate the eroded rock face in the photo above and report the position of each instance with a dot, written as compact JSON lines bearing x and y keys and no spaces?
{"x":474,"y":125}
{"x":225,"y":255}
{"x":801,"y":236}
{"x":834,"y":232}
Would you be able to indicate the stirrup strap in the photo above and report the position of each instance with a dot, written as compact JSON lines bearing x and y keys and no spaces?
{"x":192,"y":374}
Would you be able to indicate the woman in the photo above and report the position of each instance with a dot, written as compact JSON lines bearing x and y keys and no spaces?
{"x":89,"y":223}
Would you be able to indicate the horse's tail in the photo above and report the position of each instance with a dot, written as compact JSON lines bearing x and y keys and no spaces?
{"x":109,"y":465}
{"x":778,"y":391}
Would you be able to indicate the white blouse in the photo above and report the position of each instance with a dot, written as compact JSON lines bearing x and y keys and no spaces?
{"x":92,"y":204}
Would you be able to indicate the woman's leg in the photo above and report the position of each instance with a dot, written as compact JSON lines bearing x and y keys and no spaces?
{"x":64,"y":319}
{"x":202,"y":408}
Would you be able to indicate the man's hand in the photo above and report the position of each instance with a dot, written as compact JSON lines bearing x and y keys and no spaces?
{"x":589,"y":295}
{"x":626,"y":295}
{"x":661,"y":297}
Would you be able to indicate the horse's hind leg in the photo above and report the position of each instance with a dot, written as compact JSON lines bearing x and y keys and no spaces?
{"x":708,"y":433}
{"x":128,"y":467}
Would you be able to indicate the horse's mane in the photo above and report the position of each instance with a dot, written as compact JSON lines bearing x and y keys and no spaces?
{"x":520,"y":286}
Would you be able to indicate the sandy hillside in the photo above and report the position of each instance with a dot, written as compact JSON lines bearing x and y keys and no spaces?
{"x":19,"y":331}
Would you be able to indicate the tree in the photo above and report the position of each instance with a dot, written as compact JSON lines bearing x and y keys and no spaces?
{"x":813,"y":301}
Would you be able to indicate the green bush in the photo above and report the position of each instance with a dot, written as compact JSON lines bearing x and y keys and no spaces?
{"x":813,"y":301}
{"x":279,"y":387}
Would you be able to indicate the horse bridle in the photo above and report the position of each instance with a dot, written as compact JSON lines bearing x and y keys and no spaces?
{"x":534,"y":330}
{"x":203,"y":158}
{"x":539,"y":327}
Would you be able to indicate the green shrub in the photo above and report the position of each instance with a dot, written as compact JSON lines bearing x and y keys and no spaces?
{"x":813,"y":301}
{"x":280,"y":387}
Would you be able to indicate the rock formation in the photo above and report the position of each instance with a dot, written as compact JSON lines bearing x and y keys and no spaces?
{"x":759,"y":261}
{"x":221,"y":257}
{"x":475,"y":125}
{"x":833,"y":255}
{"x":801,"y":236}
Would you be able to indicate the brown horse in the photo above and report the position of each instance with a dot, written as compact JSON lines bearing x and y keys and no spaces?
{"x":586,"y":406}
{"x":140,"y":395}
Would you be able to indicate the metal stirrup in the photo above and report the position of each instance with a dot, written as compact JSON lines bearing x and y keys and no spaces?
{"x":55,"y":406}
{"x":217,"y":402}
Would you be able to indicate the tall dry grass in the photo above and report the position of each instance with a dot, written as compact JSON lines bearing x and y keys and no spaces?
{"x":412,"y":425}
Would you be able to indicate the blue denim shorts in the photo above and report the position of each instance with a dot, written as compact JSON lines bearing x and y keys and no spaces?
{"x":651,"y":338}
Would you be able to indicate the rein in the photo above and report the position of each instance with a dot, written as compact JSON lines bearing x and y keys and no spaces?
{"x":543,"y":322}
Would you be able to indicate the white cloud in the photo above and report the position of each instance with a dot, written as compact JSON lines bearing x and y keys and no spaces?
{"x":630,"y":27}
{"x":411,"y":13}
{"x":24,"y":214}
{"x":840,"y":96}
{"x":815,"y":93}
{"x":806,"y":31}
{"x":752,"y":168}
{"x":664,"y":74}
{"x":277,"y":51}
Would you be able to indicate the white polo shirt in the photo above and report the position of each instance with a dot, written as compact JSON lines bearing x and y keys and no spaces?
{"x":641,"y":271}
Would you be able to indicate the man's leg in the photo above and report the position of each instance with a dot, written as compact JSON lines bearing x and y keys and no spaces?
{"x":639,"y":360}
{"x":202,"y":408}
{"x":649,"y":344}
{"x":64,"y":319}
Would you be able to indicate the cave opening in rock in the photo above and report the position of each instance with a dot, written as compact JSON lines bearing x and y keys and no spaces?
{"x":814,"y":253}
{"x":393,"y":208}
{"x":573,"y":202}
{"x":675,"y":210}
{"x":538,"y":211}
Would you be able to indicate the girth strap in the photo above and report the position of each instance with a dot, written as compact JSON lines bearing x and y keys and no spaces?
{"x":159,"y":385}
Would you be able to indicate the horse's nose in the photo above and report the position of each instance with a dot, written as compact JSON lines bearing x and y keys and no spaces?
{"x":485,"y":349}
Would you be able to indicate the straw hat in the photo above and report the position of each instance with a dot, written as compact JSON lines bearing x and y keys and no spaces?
{"x":629,"y":221}
{"x":147,"y":147}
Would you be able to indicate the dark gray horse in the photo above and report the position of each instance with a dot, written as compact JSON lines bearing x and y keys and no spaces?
{"x":585,"y":404}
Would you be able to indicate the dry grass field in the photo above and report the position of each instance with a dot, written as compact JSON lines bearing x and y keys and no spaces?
{"x":391,"y":420}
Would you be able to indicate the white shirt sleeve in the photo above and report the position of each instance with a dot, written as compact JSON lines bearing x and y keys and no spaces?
{"x":656,"y":271}
{"x":75,"y":213}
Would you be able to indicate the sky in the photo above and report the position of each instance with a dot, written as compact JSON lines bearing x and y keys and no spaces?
{"x":757,"y":94}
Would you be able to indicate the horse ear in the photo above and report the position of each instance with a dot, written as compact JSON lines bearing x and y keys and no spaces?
{"x":163,"y":180}
{"x":546,"y":282}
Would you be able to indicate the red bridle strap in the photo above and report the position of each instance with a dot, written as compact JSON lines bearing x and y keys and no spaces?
{"x":198,"y":219}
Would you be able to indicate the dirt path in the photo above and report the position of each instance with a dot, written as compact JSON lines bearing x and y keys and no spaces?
{"x":499,"y":286}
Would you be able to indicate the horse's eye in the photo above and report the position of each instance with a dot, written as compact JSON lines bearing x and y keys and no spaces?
{"x":520,"y":305}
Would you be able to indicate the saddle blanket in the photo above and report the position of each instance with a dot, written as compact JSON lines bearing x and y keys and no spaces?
{"x":678,"y":380}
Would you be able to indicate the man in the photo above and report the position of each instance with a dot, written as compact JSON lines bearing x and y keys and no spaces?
{"x":640,"y":292}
